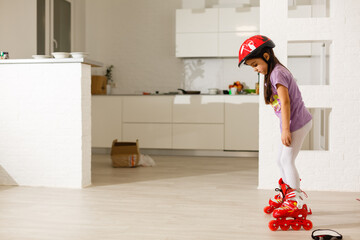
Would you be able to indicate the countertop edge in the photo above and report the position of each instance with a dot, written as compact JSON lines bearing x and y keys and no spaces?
{"x":182,"y":95}
{"x":88,"y":61}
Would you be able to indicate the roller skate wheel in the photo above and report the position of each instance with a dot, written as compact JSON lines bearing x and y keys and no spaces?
{"x":296,"y":226}
{"x":285,"y":227}
{"x":273,"y":225}
{"x":268,"y":209}
{"x":308,"y":225}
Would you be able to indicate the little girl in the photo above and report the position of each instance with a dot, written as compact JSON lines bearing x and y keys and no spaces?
{"x":282,"y":93}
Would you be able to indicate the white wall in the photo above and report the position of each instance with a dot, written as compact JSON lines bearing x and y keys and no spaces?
{"x":18,"y":28}
{"x":138,"y":38}
{"x":79,"y":26}
{"x":204,"y":73}
{"x":339,"y":168}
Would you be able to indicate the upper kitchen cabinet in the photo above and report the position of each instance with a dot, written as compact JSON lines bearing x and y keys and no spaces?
{"x":197,"y":20}
{"x":229,"y":42}
{"x":245,"y":19}
{"x":197,"y":45}
{"x":214,"y":32}
{"x":235,"y":26}
{"x":196,"y":32}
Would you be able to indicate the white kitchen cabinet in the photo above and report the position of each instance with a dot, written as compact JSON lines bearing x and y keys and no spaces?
{"x":242,"y":123}
{"x":105,"y":120}
{"x":198,"y":109}
{"x":230,"y":42}
{"x":148,"y":118}
{"x":147,"y":109}
{"x":196,"y":122}
{"x":150,"y":135}
{"x":235,"y":26}
{"x":196,"y":44}
{"x":198,"y":136}
{"x":214,"y":32}
{"x":197,"y":20}
{"x":245,"y":19}
{"x":196,"y":32}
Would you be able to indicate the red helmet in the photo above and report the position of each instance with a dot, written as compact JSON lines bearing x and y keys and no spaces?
{"x":253,"y":46}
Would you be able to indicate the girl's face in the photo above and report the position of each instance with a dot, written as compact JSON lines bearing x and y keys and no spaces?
{"x":258,"y":64}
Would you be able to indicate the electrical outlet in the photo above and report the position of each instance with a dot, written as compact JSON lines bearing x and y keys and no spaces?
{"x":113,"y":85}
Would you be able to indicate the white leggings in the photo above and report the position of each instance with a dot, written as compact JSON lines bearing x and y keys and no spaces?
{"x":287,"y":156}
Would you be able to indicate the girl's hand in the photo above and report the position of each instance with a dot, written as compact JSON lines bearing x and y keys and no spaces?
{"x":286,"y":138}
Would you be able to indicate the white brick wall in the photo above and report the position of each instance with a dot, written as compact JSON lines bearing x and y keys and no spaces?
{"x":45,"y":124}
{"x":339,"y":168}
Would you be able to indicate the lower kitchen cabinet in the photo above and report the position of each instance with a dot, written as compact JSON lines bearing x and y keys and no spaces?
{"x":149,"y":109}
{"x":198,"y":136}
{"x":150,"y":135}
{"x":177,"y":122}
{"x":198,"y":109}
{"x":105,"y":120}
{"x":242,"y":123}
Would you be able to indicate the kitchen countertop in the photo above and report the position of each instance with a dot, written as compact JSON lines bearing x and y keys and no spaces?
{"x":151,"y":95}
{"x":52,"y":60}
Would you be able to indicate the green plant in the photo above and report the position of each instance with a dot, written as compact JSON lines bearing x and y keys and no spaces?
{"x":109,"y":74}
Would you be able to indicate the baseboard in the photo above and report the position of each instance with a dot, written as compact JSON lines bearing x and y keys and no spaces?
{"x":181,"y":152}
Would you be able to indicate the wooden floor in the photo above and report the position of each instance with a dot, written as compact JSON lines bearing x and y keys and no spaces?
{"x":199,"y":198}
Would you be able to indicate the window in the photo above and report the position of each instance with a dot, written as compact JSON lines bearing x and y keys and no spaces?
{"x":309,"y":62}
{"x":308,"y":8}
{"x":318,"y":137}
{"x":54,"y":26}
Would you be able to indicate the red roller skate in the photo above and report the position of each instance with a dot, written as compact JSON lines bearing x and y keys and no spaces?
{"x":277,"y":200}
{"x":291,"y":208}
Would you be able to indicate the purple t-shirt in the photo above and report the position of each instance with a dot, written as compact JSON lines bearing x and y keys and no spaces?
{"x":299,"y":115}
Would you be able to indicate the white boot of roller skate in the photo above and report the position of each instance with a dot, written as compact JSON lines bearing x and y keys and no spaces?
{"x":293,"y":208}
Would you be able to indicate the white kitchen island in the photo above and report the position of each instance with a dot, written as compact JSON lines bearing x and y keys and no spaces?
{"x":45,"y":130}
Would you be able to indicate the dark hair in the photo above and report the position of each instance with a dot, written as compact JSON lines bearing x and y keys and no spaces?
{"x":271,"y":62}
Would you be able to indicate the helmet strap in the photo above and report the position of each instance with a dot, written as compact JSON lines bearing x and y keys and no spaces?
{"x":267,"y":62}
{"x":264,"y":59}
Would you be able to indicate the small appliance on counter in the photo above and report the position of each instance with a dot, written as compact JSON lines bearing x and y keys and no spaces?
{"x":213,"y":91}
{"x":189,"y":92}
{"x":4,"y":55}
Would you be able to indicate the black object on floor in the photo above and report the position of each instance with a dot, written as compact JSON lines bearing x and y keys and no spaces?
{"x":325,"y":234}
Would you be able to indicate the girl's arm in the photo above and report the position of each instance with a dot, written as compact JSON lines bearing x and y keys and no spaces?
{"x":285,"y":114}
